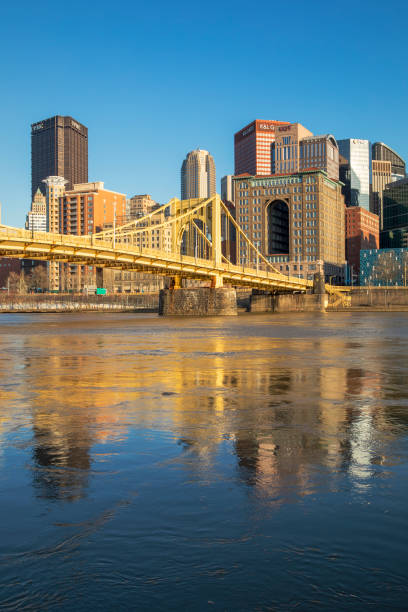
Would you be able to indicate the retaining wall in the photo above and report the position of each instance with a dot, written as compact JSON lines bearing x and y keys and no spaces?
{"x":75,"y":303}
{"x":288,"y":302}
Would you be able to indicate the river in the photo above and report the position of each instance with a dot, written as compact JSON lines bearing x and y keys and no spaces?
{"x":255,"y":463}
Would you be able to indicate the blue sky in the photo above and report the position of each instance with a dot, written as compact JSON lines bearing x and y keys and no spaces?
{"x":155,"y":80}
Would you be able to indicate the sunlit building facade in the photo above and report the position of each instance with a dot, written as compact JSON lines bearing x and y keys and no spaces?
{"x":54,"y":190}
{"x":198,"y":175}
{"x":297,"y":221}
{"x":140,"y":206}
{"x":253,"y":147}
{"x":36,"y":219}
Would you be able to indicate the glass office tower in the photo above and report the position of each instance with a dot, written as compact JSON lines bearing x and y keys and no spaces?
{"x":357,"y":152}
{"x":394,"y":233}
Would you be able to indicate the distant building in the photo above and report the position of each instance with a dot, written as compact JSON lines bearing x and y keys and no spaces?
{"x":227,"y":188}
{"x":362,"y":233}
{"x":387,"y":167}
{"x":54,"y":190}
{"x":129,"y":281}
{"x":394,"y":232}
{"x":384,"y":267}
{"x":296,"y":221}
{"x":297,"y":149}
{"x":140,"y":206}
{"x":59,"y":147}
{"x":357,"y":188}
{"x":155,"y":239}
{"x":381,"y":176}
{"x":320,"y":152}
{"x":89,"y":208}
{"x":277,"y":147}
{"x":382,"y":152}
{"x":198,"y":175}
{"x":253,"y":146}
{"x":36,"y":219}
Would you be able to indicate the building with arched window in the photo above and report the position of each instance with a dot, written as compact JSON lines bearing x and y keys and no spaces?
{"x":297,"y":221}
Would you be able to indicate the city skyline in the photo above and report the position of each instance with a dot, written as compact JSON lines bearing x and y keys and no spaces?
{"x":138,"y":129}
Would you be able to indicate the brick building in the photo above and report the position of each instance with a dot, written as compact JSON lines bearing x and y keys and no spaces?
{"x":362,"y":233}
{"x":86,"y":209}
{"x":89,"y":207}
{"x":253,"y":146}
{"x":273,"y":147}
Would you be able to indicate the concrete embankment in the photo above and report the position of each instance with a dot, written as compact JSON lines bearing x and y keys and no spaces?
{"x":375,"y":299}
{"x":147,"y":302}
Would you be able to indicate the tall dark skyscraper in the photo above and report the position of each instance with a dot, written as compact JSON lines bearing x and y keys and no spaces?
{"x":59,"y":147}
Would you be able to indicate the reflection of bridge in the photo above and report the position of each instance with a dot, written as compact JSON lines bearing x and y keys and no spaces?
{"x":184,"y":239}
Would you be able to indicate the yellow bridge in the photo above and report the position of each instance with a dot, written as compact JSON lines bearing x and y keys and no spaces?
{"x":195,"y":238}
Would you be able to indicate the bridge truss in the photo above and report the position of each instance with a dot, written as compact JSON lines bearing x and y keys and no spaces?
{"x":197,"y":238}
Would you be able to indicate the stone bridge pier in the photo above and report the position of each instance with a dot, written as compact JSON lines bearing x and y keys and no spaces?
{"x":198,"y":301}
{"x":314,"y":300}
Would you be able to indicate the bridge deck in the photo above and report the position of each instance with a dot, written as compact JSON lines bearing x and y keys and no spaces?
{"x":89,"y":250}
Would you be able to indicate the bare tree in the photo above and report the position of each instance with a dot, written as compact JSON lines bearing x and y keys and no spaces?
{"x":37,"y":280}
{"x":65,"y":278}
{"x":16,"y":282}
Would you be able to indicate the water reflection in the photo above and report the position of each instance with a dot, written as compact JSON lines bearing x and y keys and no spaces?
{"x":146,"y":462}
{"x":291,"y":408}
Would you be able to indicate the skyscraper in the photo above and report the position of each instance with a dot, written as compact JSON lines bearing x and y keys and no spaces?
{"x":253,"y":146}
{"x":394,"y":231}
{"x":198,"y":175}
{"x":59,"y":147}
{"x":387,"y":167}
{"x":264,"y":148}
{"x":382,"y":152}
{"x":37,"y":216}
{"x":357,"y":152}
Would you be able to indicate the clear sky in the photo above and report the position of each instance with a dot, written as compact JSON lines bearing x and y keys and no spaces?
{"x":154,"y":80}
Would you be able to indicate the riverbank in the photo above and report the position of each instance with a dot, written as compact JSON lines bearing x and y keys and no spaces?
{"x":389,"y":299}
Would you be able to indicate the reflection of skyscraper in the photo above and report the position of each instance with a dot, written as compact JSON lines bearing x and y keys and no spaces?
{"x":59,"y":147}
{"x":61,"y":456}
{"x":198,"y":175}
